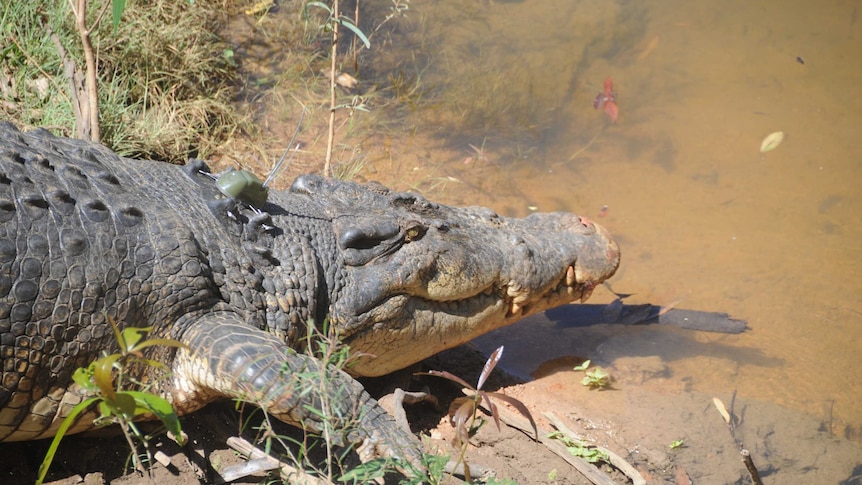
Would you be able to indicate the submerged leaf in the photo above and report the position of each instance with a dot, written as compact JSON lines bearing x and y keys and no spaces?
{"x":771,"y":141}
{"x":721,"y":409}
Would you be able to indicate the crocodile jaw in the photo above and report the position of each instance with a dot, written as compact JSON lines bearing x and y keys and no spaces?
{"x":388,"y":346}
{"x":406,"y":329}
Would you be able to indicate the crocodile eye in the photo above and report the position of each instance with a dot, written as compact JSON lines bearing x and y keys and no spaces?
{"x":413,"y":233}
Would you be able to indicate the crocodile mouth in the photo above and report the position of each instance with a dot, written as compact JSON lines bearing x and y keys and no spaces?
{"x":507,"y":301}
{"x":403,"y":329}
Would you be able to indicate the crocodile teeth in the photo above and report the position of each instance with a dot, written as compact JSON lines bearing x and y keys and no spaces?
{"x":514,"y":309}
{"x":570,"y":276}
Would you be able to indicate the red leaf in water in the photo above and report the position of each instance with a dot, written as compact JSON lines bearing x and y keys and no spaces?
{"x":606,"y":100}
{"x":612,"y":110}
{"x":609,"y":87}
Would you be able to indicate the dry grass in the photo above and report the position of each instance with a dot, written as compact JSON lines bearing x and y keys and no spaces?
{"x":166,"y":80}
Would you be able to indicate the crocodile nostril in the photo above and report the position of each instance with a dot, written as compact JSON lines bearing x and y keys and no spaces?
{"x":367,"y":237}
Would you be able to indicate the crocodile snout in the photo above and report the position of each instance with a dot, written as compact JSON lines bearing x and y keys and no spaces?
{"x":599,"y":258}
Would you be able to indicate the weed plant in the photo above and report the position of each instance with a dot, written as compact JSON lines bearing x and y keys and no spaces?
{"x":321,"y":453}
{"x":582,"y":449}
{"x":595,"y":378}
{"x":107,"y":381}
{"x":466,"y":418}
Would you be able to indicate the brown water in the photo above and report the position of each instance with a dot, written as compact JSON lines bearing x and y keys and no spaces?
{"x":506,"y":120}
{"x":700,"y":212}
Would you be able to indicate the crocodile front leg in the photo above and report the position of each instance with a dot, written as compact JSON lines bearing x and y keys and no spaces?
{"x":228,"y":358}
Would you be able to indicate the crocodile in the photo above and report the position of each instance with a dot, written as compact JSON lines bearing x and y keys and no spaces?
{"x":88,"y":238}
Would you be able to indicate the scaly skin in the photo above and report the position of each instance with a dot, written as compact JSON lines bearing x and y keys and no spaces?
{"x":86,"y":235}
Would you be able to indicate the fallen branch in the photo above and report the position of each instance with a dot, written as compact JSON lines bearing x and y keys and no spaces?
{"x":616,"y":460}
{"x":586,"y":469}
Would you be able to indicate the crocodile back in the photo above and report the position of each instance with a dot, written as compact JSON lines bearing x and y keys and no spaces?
{"x":87,"y":236}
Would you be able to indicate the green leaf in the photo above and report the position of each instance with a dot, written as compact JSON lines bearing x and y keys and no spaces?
{"x":367,"y":472}
{"x":150,"y":362}
{"x":353,"y":28}
{"x":84,"y":377}
{"x":103,"y":375}
{"x":771,"y":141}
{"x":318,"y":5}
{"x":598,"y":374}
{"x":167,"y":342}
{"x":583,"y":366}
{"x":117,"y":7}
{"x":131,"y":336}
{"x":61,"y":431}
{"x":121,"y":405}
{"x":160,"y":407}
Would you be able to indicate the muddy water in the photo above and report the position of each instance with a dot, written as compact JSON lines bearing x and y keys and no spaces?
{"x":506,"y":119}
{"x":700,"y":212}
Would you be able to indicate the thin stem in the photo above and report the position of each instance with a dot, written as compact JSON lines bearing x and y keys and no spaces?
{"x":353,"y":47}
{"x":90,"y":57}
{"x":327,"y":167}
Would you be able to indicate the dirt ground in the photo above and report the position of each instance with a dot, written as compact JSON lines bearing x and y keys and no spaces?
{"x":635,"y":421}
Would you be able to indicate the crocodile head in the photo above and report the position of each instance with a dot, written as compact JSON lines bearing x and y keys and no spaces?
{"x":415,"y":278}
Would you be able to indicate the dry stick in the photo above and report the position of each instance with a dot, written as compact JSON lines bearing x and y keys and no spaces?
{"x":260,"y":461}
{"x":616,"y":460}
{"x":327,"y":170}
{"x":589,"y":471}
{"x":729,"y":418}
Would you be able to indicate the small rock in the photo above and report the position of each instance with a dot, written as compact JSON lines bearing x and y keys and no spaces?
{"x":94,"y":478}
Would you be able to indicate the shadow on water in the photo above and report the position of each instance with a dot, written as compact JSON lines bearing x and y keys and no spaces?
{"x":585,"y":331}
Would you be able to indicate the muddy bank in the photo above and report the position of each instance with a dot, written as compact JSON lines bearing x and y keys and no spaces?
{"x":638,"y":419}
